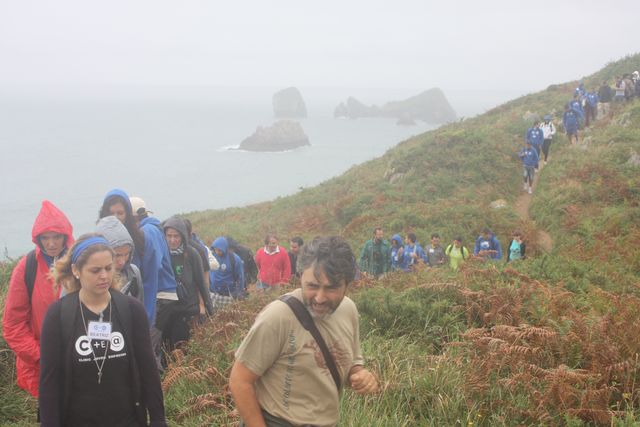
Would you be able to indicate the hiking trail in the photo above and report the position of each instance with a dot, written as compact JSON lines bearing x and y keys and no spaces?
{"x":542,"y":239}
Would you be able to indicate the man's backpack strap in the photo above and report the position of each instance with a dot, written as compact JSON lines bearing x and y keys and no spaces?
{"x":30,"y":272}
{"x":307,"y":322}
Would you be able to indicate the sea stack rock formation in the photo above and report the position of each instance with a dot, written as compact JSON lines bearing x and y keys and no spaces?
{"x":430,"y":106}
{"x":288,"y":103}
{"x":283,"y":135}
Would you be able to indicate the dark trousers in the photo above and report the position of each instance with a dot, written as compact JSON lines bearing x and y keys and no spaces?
{"x":589,"y":114}
{"x":545,"y":148}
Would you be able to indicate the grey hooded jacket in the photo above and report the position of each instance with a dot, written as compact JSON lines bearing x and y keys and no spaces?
{"x":117,"y":235}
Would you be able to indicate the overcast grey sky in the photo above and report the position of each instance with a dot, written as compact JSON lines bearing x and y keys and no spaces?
{"x":383,"y":44}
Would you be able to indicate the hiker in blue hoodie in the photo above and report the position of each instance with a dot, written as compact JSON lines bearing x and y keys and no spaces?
{"x":155,"y":263}
{"x":413,"y":253}
{"x":151,"y":253}
{"x":227,"y":282}
{"x":487,"y":246}
{"x":570,"y":121}
{"x":576,"y":106}
{"x":590,"y":107}
{"x":535,"y":136}
{"x":397,"y":253}
{"x":530,"y":161}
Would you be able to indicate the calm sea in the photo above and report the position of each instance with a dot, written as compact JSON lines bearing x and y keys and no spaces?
{"x":168,"y":146}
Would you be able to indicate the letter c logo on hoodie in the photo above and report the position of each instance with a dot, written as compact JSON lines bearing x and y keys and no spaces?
{"x":83,"y":345}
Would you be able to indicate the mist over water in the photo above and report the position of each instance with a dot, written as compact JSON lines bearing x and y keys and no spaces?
{"x":167,"y":145}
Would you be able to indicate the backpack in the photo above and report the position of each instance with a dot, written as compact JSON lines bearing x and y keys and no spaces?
{"x":232,"y":261}
{"x":30,"y":272}
{"x":234,"y":274}
{"x":450,"y":247}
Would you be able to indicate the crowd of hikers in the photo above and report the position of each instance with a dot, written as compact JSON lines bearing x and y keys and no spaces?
{"x":91,"y":320}
{"x":379,"y":256}
{"x":167,"y":278}
{"x":580,"y":112}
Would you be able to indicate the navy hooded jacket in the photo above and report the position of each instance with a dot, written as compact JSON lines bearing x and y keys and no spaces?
{"x":157,"y":272}
{"x":535,"y":136}
{"x":224,"y":281}
{"x":397,"y":259}
{"x":577,"y":107}
{"x":529,"y":157}
{"x":488,"y":244}
{"x":570,"y":121}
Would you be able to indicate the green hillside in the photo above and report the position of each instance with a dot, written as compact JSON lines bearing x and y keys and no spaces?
{"x":441,"y":181}
{"x":552,"y":340}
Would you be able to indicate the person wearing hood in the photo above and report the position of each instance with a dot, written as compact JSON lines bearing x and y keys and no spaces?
{"x":530,"y":162}
{"x":31,"y":291}
{"x":535,"y":136}
{"x":122,"y":244}
{"x":570,"y":121}
{"x":576,"y":106}
{"x":192,"y":292}
{"x":228,"y":281}
{"x":151,"y":252}
{"x":397,"y":253}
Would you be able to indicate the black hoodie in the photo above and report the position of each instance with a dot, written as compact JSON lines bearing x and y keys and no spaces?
{"x":188,"y":270}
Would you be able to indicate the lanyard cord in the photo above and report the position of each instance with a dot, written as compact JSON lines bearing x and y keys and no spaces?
{"x":84,"y":323}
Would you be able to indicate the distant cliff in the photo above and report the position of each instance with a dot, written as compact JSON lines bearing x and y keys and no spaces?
{"x":430,"y":106}
{"x":288,"y":103}
{"x":281,"y":136}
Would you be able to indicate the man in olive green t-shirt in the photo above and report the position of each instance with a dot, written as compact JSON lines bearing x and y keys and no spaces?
{"x":280,"y":377}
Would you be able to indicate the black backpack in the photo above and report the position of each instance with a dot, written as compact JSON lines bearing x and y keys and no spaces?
{"x":450,"y":247}
{"x":30,"y":272}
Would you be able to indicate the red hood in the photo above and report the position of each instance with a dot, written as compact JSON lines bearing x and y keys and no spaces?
{"x":51,"y":218}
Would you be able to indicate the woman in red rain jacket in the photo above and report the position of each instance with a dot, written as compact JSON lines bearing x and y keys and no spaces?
{"x":23,"y":315}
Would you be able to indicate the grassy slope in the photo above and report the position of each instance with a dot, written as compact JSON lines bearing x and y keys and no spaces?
{"x":554,"y":342}
{"x":450,"y":177}
{"x":549,"y":343}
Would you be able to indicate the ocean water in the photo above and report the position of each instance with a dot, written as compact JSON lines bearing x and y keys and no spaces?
{"x":168,"y":147}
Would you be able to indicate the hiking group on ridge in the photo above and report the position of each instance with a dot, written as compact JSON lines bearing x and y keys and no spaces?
{"x":91,"y":320}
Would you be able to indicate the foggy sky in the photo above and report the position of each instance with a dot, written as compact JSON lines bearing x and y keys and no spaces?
{"x":384,"y":44}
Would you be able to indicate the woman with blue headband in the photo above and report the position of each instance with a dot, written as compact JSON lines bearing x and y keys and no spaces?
{"x":97,"y":363}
